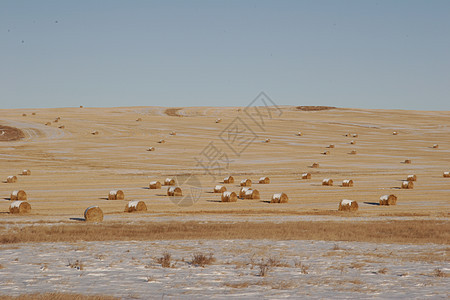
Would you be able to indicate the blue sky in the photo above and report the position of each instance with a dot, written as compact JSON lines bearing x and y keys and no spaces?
{"x":362,"y":54}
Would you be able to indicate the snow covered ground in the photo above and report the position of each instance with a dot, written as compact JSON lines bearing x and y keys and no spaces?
{"x":316,"y":269}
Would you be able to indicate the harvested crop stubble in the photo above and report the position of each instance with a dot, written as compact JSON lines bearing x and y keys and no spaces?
{"x":26,"y":172}
{"x":388,"y":200}
{"x":327,"y":181}
{"x":252,"y":194}
{"x":11,"y":179}
{"x":136,"y":205}
{"x":279,"y":198}
{"x":174,"y":191}
{"x":116,"y":195}
{"x":347,"y":183}
{"x":411,"y":178}
{"x":229,"y":179}
{"x":246,"y":182}
{"x":407,"y":185}
{"x":93,"y":214}
{"x":169,"y":181}
{"x":229,"y":197}
{"x":264,"y":180}
{"x":306,"y":176}
{"x":348,"y":205}
{"x":242,"y":191}
{"x":19,"y":207}
{"x":18,"y":195}
{"x":155,"y":185}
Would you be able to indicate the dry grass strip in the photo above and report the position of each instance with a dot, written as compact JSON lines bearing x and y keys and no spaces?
{"x":408,"y":231}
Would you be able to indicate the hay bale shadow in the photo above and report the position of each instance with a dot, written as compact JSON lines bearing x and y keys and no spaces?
{"x":145,"y":188}
{"x":372,"y":203}
{"x":265,"y":201}
{"x":215,"y":201}
{"x":396,"y":187}
{"x":161,"y":195}
{"x":78,"y":219}
{"x":103,"y":198}
{"x":211,"y":192}
{"x":9,"y":199}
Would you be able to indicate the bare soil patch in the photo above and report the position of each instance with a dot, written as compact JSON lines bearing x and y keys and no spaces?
{"x":172,"y":112}
{"x":314,"y":108}
{"x":8,"y":133}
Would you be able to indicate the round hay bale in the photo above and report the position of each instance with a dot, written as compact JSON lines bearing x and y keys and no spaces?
{"x":93,"y":214}
{"x":407,"y":185}
{"x":315,"y":165}
{"x":347,"y":134}
{"x":446,"y":174}
{"x":264,"y":180}
{"x":435,"y":146}
{"x":33,"y":114}
{"x":19,"y":207}
{"x":138,"y":119}
{"x":116,"y":195}
{"x":353,"y":152}
{"x":26,"y":172}
{"x":326,"y":152}
{"x":48,"y":124}
{"x":136,"y":205}
{"x":229,"y":179}
{"x":279,"y":198}
{"x":24,"y":115}
{"x":352,"y":142}
{"x":61,"y":127}
{"x":354,"y":135}
{"x":18,"y":195}
{"x":299,"y":133}
{"x":251,"y":194}
{"x":306,"y":176}
{"x":411,"y":178}
{"x":56,"y":120}
{"x":229,"y":197}
{"x":161,"y":141}
{"x":169,"y":181}
{"x":327,"y":181}
{"x":95,"y":132}
{"x":394,"y":133}
{"x":348,"y":205}
{"x":331,"y":146}
{"x":174,"y":191}
{"x":155,"y":185}
{"x":242,"y":191}
{"x":267,"y":140}
{"x":347,"y":183}
{"x":219,"y":189}
{"x":246,"y":182}
{"x":173,"y":133}
{"x":151,"y":149}
{"x":407,"y":161}
{"x":11,"y":179}
{"x":388,"y":200}
{"x":81,"y":106}
{"x":218,"y":120}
